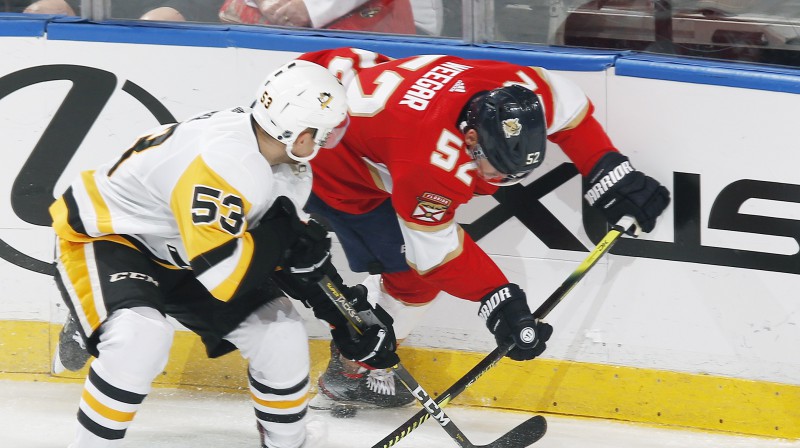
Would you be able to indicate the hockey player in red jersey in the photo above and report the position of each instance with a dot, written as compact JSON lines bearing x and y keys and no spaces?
{"x":427,"y":134}
{"x":192,"y":222}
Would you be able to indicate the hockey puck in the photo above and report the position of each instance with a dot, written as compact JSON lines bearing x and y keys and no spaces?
{"x":344,"y":411}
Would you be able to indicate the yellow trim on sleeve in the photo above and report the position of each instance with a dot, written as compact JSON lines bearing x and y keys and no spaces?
{"x":100,"y":207}
{"x":225,"y":290}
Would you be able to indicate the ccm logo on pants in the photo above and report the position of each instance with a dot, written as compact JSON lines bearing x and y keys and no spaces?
{"x":133,"y":276}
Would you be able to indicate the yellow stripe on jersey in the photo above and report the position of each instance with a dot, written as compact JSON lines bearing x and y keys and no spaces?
{"x":226,"y":289}
{"x":280,"y":404}
{"x":60,"y":214}
{"x":73,"y":258}
{"x":209,"y":213}
{"x":98,"y":203}
{"x":105,"y":411}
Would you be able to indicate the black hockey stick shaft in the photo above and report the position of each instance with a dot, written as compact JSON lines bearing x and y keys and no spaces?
{"x":625,"y":225}
{"x":523,"y":435}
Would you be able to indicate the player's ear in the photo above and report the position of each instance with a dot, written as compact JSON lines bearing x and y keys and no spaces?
{"x":306,"y":135}
{"x":471,"y":137}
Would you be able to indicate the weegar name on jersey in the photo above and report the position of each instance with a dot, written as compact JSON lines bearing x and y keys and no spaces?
{"x":606,"y":182}
{"x":425,"y":87}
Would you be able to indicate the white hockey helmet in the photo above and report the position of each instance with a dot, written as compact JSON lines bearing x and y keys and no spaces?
{"x":301,"y":95}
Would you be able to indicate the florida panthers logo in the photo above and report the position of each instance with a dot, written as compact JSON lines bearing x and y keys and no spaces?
{"x":511,"y":127}
{"x":431,"y":207}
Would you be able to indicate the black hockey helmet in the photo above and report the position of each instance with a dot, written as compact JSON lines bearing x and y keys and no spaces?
{"x":512,"y":132}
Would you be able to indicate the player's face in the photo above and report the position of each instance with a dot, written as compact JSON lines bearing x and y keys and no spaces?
{"x":485,"y":169}
{"x":488,"y":172}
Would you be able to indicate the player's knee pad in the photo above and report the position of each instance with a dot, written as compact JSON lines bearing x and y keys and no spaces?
{"x":134,"y":347}
{"x":274,"y":341}
{"x":405,"y":315}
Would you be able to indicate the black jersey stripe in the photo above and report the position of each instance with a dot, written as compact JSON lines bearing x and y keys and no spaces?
{"x":114,"y":392}
{"x":144,"y":143}
{"x":213,"y":257}
{"x":98,"y":429}
{"x":264,"y":389}
{"x":73,"y":212}
{"x":274,"y":418}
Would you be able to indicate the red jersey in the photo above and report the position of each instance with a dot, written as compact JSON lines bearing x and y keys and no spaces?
{"x":404,"y":142}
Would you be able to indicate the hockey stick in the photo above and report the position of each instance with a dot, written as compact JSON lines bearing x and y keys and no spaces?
{"x":625,"y":225}
{"x":522,"y":436}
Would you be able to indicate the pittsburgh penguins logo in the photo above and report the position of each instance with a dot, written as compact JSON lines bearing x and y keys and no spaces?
{"x":325,"y":100}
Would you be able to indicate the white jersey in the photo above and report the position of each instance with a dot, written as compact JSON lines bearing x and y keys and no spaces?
{"x":186,"y":194}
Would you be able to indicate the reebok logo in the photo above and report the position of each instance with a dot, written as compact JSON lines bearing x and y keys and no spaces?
{"x":458,"y":87}
{"x":606,"y":182}
{"x":491,"y":303}
{"x":133,"y":276}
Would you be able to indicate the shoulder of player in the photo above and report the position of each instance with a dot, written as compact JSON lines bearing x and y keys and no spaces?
{"x":230,"y":153}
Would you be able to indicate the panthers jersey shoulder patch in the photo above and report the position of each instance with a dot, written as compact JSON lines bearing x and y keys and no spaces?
{"x":431,"y":207}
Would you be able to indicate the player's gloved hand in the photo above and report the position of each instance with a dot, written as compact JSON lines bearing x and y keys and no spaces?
{"x":309,"y":258}
{"x":617,"y":189}
{"x":375,"y":347}
{"x":508,"y":317}
{"x":306,"y":250}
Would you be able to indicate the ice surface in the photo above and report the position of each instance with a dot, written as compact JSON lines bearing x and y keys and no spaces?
{"x":42,"y":415}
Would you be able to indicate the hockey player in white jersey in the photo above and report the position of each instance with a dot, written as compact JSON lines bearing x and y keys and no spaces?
{"x":198,"y":221}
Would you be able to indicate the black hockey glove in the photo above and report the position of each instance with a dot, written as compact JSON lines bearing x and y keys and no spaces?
{"x":306,"y":250}
{"x":508,"y":317}
{"x":309,"y":258}
{"x":616,"y":189}
{"x":375,"y":347}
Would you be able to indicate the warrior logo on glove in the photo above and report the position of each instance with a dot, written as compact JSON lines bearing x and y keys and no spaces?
{"x":508,"y":317}
{"x":490,"y":303}
{"x":606,"y":182}
{"x":527,"y":335}
{"x":617,"y":189}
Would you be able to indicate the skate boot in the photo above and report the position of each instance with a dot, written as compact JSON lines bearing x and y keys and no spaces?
{"x":71,"y":353}
{"x":363,"y":389}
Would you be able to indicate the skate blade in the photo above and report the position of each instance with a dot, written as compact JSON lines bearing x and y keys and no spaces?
{"x":58,"y":367}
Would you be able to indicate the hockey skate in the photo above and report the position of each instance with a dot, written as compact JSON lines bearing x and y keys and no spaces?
{"x":71,"y":353}
{"x":365,"y":389}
